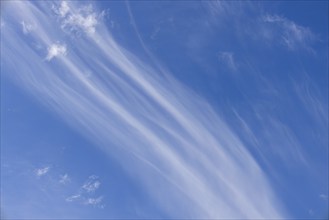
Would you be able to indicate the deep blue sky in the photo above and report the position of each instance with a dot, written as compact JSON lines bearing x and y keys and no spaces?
{"x":163,"y":109}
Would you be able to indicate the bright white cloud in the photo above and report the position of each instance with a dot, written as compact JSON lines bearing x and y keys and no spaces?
{"x":42,"y":171}
{"x":55,"y":50}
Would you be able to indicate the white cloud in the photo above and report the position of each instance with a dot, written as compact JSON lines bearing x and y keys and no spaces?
{"x":92,"y":184}
{"x":93,"y":201}
{"x":85,"y":191}
{"x":64,"y":179}
{"x":228,"y":59}
{"x":292,"y":35}
{"x":207,"y":170}
{"x":42,"y":171}
{"x":73,"y":198}
{"x":63,"y":9}
{"x":86,"y":23}
{"x":27,"y":27}
{"x":84,"y":19}
{"x":55,"y":50}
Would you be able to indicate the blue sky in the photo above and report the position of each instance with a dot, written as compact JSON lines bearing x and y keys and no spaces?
{"x":164,"y":109}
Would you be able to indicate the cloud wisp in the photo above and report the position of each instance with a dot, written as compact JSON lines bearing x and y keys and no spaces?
{"x":42,"y":171}
{"x":291,"y":35}
{"x":178,"y":142}
{"x":86,"y":193}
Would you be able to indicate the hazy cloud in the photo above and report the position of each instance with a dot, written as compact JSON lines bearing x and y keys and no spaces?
{"x":290,"y":34}
{"x":227,"y":58}
{"x":323,"y":196}
{"x":64,"y":179}
{"x":42,"y":171}
{"x":27,"y":27}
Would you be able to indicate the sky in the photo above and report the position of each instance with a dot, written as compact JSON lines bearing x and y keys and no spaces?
{"x":164,"y":110}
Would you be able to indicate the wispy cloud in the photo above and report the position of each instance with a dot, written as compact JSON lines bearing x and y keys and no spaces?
{"x":27,"y":27}
{"x":91,"y":184}
{"x":86,"y":192}
{"x":227,"y":58}
{"x":172,"y":133}
{"x":94,"y":201}
{"x":323,"y":197}
{"x":64,"y":179}
{"x":55,"y":50}
{"x":42,"y":171}
{"x":290,"y":34}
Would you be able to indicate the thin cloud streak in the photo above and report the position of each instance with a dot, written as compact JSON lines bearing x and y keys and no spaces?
{"x":171,"y":130}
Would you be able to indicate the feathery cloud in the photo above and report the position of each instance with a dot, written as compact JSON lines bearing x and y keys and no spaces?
{"x":290,"y":34}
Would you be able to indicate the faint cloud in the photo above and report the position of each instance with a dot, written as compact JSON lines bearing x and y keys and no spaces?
{"x":228,"y":59}
{"x":27,"y":27}
{"x":91,"y":184}
{"x":73,"y":198}
{"x":42,"y":171}
{"x":324,"y":197}
{"x":55,"y":50}
{"x":94,"y":201}
{"x":290,"y":34}
{"x":64,"y":179}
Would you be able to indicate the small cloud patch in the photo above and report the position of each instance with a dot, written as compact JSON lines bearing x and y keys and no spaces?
{"x":42,"y":171}
{"x":64,"y":179}
{"x":55,"y":50}
{"x":86,"y":193}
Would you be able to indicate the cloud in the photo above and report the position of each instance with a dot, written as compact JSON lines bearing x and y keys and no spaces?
{"x":55,"y":50}
{"x":42,"y":171}
{"x":81,"y":19}
{"x":188,"y":160}
{"x":85,"y":191}
{"x":27,"y":28}
{"x":73,"y":198}
{"x":91,"y":184}
{"x":64,"y":179}
{"x":290,"y":34}
{"x":63,"y":9}
{"x":93,"y":201}
{"x":228,"y":59}
{"x":323,"y":197}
